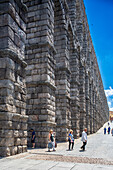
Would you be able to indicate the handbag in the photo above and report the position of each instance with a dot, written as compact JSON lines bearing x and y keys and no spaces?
{"x":55,"y":145}
{"x":50,"y":145}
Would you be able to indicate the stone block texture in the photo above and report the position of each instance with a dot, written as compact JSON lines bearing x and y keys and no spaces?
{"x":13,"y":119}
{"x":40,"y":72}
{"x":49,"y":75}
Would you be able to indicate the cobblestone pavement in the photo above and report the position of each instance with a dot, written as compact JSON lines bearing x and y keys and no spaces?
{"x":98,"y":156}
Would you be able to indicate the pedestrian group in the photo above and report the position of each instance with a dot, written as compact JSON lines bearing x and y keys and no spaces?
{"x":107,"y":130}
{"x":52,"y":143}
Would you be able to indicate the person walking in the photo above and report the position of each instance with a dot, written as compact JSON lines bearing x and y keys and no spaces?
{"x":104,"y":130}
{"x":71,"y":139}
{"x":84,"y":139}
{"x":51,"y":140}
{"x":109,"y":130}
{"x":112,"y":131}
{"x":33,"y":138}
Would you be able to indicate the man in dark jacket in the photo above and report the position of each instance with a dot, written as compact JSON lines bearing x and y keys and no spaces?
{"x":33,"y":138}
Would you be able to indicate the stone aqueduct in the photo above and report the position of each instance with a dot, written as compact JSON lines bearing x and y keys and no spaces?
{"x":49,"y":75}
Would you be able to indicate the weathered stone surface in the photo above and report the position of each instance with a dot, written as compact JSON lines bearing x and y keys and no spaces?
{"x":13,"y":121}
{"x":64,"y":85}
{"x":72,"y":69}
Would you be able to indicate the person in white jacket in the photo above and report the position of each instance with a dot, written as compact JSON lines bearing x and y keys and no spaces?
{"x":84,"y":139}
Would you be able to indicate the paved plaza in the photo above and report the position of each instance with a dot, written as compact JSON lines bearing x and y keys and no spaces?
{"x":98,"y":156}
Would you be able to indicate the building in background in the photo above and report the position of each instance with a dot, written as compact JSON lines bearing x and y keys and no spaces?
{"x":111,"y":115}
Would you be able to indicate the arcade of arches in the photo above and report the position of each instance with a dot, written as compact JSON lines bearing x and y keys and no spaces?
{"x":49,"y":75}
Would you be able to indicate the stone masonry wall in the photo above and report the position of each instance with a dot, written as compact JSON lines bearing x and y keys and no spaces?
{"x":62,"y":74}
{"x":40,"y":72}
{"x":74,"y":49}
{"x":76,"y":77}
{"x":13,"y":119}
{"x":62,"y":80}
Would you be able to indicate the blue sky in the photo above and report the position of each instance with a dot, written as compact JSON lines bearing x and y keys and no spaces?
{"x":100,"y":19}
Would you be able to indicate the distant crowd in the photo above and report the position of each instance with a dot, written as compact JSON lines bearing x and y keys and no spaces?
{"x":108,"y":129}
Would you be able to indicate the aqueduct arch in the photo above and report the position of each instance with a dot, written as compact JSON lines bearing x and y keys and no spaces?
{"x":62,"y":87}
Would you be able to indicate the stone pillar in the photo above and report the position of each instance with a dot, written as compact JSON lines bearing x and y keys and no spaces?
{"x":87,"y":103}
{"x":40,"y":73}
{"x":62,"y":75}
{"x":74,"y":49}
{"x":87,"y":82}
{"x":98,"y":112}
{"x":93,"y":111}
{"x":75,"y":107}
{"x":80,"y":33}
{"x":72,"y":14}
{"x":13,"y":121}
{"x":82,"y":98}
{"x":91,"y":108}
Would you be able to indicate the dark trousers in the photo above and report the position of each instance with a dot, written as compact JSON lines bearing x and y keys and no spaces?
{"x":83,"y":146}
{"x":71,"y":143}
